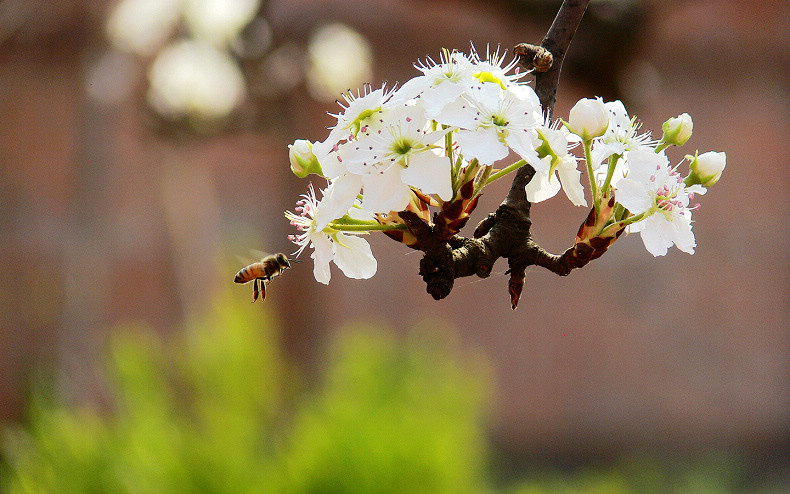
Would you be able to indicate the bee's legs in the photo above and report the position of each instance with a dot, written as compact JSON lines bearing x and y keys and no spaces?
{"x":254,"y":290}
{"x":263,"y":289}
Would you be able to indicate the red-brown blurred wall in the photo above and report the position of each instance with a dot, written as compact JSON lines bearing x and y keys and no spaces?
{"x":105,"y":217}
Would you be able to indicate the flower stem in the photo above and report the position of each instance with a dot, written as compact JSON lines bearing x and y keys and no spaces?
{"x":347,"y":220}
{"x":661,"y":146}
{"x":504,"y":171}
{"x":455,"y":165}
{"x":365,"y":227}
{"x":593,"y":186}
{"x":613,"y":159}
{"x":637,"y":217}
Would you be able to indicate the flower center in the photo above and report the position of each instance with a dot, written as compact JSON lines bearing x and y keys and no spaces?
{"x":667,"y":195}
{"x":402,"y":146}
{"x":499,"y":121}
{"x":489,"y":77}
{"x":667,"y":200}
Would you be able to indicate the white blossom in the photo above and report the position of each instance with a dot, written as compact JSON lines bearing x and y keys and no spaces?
{"x":303,"y":161}
{"x":363,"y":111}
{"x":556,"y":160}
{"x":397,"y":156}
{"x":491,"y":69}
{"x":440,"y":83}
{"x":349,"y":252}
{"x":622,"y":134}
{"x":493,"y":120}
{"x":657,"y":192}
{"x":195,"y":79}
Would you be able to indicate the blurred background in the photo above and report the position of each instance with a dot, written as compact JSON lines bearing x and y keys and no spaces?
{"x":143,"y":146}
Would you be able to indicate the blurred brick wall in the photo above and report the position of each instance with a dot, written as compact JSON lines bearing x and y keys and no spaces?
{"x":679,"y":351}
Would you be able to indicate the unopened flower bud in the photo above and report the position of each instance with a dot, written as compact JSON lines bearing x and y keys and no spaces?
{"x":588,"y":118}
{"x":706,"y":168}
{"x":303,"y":161}
{"x":677,"y":130}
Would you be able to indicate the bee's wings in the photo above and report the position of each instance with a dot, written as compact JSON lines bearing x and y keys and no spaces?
{"x":253,"y":257}
{"x":259,"y":254}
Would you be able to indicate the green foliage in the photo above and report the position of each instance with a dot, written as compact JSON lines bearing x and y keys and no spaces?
{"x":205,"y":412}
{"x":213,"y":410}
{"x":704,"y":474}
{"x":393,"y":417}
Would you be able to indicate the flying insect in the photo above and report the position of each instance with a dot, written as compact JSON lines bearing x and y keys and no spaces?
{"x":262,"y":271}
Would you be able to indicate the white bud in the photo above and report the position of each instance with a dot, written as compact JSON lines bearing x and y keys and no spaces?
{"x":677,"y":130}
{"x":303,"y":161}
{"x":588,"y":118}
{"x":706,"y":168}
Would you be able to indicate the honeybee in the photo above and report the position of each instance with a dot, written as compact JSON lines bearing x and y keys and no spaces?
{"x":264,"y":270}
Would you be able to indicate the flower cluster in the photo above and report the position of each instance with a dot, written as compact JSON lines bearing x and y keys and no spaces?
{"x":435,"y":141}
{"x":632,"y":183}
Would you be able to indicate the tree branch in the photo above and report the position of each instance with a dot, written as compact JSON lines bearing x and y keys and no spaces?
{"x":506,"y":232}
{"x":557,"y":41}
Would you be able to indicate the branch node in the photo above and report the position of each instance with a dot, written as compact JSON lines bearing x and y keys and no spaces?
{"x":439,"y":282}
{"x":485,"y":225}
{"x":436,"y":267}
{"x":534,"y":57}
{"x":483,"y":268}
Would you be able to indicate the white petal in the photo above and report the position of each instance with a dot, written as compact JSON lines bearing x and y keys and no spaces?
{"x":440,"y":96}
{"x":430,"y":173}
{"x":358,"y":213}
{"x":657,"y":235}
{"x":684,"y":237}
{"x":696,"y":189}
{"x":487,"y":95}
{"x":353,"y":256}
{"x":385,"y":192}
{"x":338,"y":199}
{"x":541,"y":165}
{"x":324,"y":152}
{"x":321,"y":255}
{"x":644,"y":163}
{"x":541,"y":188}
{"x":601,"y":151}
{"x":635,"y":227}
{"x":409,"y":90}
{"x":483,"y":145}
{"x":526,"y":95}
{"x":619,"y":122}
{"x":524,"y":144}
{"x":459,"y":113}
{"x":633,"y":196}
{"x":361,"y":156}
{"x":571,"y":183}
